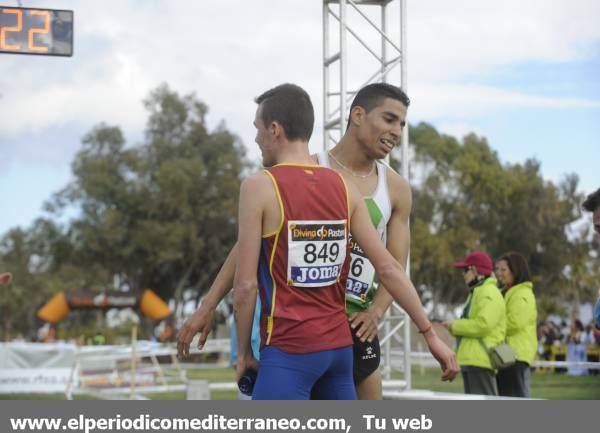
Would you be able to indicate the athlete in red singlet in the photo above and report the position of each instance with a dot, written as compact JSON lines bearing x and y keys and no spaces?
{"x":302,"y":263}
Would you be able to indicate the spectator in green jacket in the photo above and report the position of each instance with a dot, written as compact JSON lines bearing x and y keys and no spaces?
{"x":513,"y":276}
{"x":482,"y":324}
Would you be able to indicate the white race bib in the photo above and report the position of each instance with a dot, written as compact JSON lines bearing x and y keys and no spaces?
{"x":361,"y":273}
{"x":316,"y":252}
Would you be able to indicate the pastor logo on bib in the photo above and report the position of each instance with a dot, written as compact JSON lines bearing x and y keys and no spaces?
{"x":317,"y":232}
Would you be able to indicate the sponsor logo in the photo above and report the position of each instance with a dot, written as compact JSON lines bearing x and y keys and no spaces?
{"x":118,"y":301}
{"x":356,"y":287}
{"x":355,"y":248}
{"x":102,"y":300}
{"x":370,"y":353}
{"x":318,"y":232}
{"x":80,"y":300}
{"x":315,"y":274}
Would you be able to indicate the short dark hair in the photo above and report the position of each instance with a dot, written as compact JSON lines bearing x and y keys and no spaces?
{"x":592,"y":202}
{"x":290,"y":106}
{"x":518,"y":266}
{"x":371,"y":95}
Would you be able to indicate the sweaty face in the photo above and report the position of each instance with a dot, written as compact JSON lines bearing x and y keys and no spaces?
{"x":381,"y":128}
{"x":264,"y":139}
{"x":503,"y":273}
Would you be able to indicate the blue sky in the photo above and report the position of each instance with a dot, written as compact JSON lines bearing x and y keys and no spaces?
{"x":522,"y":74}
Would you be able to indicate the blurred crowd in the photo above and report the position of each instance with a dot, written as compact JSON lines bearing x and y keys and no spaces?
{"x":551,"y":332}
{"x":561,"y":341}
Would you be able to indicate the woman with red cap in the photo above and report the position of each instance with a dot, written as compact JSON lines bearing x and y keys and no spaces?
{"x":482,"y":324}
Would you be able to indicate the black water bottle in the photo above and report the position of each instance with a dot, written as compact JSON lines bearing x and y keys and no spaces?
{"x":247,"y":381}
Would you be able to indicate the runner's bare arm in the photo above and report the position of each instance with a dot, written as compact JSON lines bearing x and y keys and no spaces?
{"x":398,"y":242}
{"x":395,"y":280}
{"x":252,"y":204}
{"x":201,"y":320}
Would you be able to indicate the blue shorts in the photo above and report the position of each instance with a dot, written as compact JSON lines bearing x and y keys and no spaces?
{"x":324,"y":375}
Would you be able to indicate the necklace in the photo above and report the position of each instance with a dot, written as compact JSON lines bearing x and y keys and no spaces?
{"x":352,"y":172}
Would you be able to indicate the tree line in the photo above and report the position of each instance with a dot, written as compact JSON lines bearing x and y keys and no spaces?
{"x":465,"y":198}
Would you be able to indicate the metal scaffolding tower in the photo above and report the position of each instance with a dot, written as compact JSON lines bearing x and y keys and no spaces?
{"x":376,"y":52}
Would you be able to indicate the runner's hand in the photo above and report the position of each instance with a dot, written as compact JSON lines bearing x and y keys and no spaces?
{"x":364,"y":325}
{"x":244,"y":363}
{"x":448,"y":325}
{"x":200,"y":322}
{"x":443,"y":354}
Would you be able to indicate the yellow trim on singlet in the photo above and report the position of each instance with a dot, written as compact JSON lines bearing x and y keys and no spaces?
{"x":268,"y":235}
{"x":271,"y":315}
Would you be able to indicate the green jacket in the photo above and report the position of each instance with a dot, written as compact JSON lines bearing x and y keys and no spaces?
{"x":486,"y":320}
{"x":521,"y":321}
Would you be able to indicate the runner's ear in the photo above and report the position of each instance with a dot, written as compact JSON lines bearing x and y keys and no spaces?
{"x":277,"y":130}
{"x":356,"y":115}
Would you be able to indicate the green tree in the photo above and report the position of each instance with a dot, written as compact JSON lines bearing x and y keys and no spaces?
{"x":14,"y":256}
{"x":465,"y":198}
{"x":161,"y":214}
{"x":42,"y":261}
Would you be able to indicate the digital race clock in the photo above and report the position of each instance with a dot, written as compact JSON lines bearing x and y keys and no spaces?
{"x":47,"y":32}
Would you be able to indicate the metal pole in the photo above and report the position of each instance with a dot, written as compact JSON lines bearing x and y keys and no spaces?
{"x":405,"y":173}
{"x":343,"y":65}
{"x":387,"y":374}
{"x":325,"y":73}
{"x":331,"y":121}
{"x":384,"y":47}
{"x":132,"y":382}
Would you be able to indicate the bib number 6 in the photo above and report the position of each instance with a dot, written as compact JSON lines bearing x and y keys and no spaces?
{"x":357,"y":267}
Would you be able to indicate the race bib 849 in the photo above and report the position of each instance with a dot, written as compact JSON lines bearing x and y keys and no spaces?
{"x":316,"y":252}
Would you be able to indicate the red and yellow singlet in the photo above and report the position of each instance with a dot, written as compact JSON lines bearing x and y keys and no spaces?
{"x":303,"y":265}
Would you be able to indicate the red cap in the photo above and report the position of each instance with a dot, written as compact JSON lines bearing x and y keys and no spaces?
{"x":480,"y":260}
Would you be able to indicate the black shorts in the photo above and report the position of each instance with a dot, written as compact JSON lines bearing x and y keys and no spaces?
{"x":366,"y":357}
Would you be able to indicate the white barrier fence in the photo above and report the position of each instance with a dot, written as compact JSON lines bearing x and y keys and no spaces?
{"x":113,"y":371}
{"x":29,"y":367}
{"x":99,"y":370}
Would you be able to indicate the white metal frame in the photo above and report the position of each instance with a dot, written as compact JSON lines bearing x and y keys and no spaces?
{"x":390,"y":54}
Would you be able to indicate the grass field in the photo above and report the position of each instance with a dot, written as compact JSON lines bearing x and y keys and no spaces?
{"x":543,"y":385}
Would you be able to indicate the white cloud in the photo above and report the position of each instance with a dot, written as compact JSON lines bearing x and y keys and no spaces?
{"x":468,"y":101}
{"x":451,"y":40}
{"x":227,"y":52}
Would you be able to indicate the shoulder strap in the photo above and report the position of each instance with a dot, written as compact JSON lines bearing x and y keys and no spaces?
{"x":381,"y":194}
{"x":483,"y":345}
